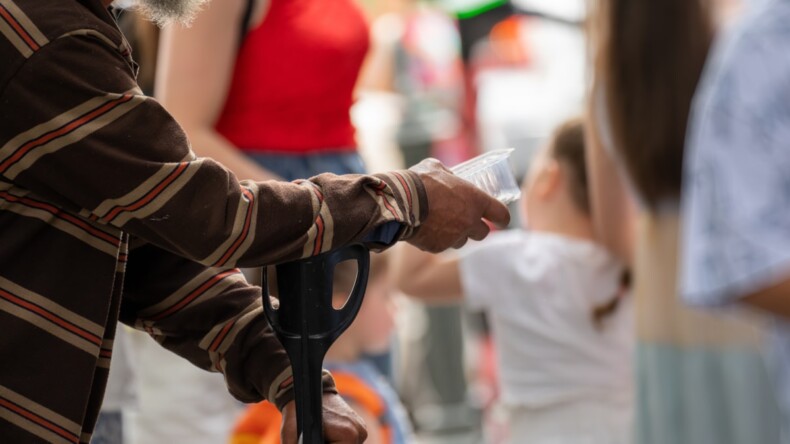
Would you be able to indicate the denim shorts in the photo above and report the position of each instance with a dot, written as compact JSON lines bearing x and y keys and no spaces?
{"x":297,"y":166}
{"x":109,"y":428}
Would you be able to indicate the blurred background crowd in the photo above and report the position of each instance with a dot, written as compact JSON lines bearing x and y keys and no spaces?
{"x":572,"y":326}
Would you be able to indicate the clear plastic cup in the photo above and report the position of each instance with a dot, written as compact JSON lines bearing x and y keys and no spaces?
{"x":491,"y":173}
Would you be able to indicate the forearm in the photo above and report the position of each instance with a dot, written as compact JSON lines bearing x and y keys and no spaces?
{"x":612,"y":208}
{"x":206,"y":142}
{"x":774,"y":299}
{"x":614,"y":225}
{"x":430,"y":277}
{"x":197,"y":101}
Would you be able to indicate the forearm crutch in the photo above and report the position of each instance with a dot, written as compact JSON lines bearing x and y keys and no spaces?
{"x":307,"y":324}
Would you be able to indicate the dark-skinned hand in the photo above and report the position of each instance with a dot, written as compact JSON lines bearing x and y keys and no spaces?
{"x":342,"y":425}
{"x":457,"y":210}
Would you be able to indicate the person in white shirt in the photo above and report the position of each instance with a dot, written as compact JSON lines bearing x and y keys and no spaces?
{"x":556,"y":304}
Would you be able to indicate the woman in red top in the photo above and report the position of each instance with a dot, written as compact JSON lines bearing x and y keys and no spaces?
{"x":277,"y":100}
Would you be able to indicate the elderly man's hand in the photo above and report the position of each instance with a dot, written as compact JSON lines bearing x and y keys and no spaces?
{"x":456,"y":210}
{"x":341,"y":424}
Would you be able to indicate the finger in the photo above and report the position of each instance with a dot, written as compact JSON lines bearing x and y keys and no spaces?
{"x":429,"y":164}
{"x":288,"y":437}
{"x":342,"y":425}
{"x":345,"y":434}
{"x":288,"y":427}
{"x":341,"y":433}
{"x":461,"y":242}
{"x":497,"y":212}
{"x":363,"y":432}
{"x":479,"y":231}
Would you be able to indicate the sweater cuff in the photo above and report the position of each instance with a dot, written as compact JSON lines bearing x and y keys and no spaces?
{"x":410,"y":193}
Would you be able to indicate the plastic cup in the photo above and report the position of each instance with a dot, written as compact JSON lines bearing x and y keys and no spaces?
{"x":491,"y":173}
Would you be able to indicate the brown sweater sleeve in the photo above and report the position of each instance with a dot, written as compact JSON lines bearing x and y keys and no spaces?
{"x":89,"y":141}
{"x":210,"y":316}
{"x":84,"y":138}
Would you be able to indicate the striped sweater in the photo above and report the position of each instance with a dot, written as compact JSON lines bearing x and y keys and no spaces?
{"x":107,"y":214}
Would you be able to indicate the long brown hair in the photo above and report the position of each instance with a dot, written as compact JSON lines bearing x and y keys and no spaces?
{"x":649,"y":55}
{"x":567,"y":147}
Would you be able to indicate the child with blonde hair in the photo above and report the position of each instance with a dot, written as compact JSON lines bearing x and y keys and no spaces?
{"x":555,"y":302}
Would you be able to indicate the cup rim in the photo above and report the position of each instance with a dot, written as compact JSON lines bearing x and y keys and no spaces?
{"x":481,"y":162}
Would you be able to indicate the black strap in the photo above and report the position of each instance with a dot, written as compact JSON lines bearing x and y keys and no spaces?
{"x":245,"y":20}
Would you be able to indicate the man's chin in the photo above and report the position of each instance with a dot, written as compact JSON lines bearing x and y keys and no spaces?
{"x":165,"y":12}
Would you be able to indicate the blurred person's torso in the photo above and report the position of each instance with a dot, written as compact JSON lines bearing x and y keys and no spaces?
{"x":542,"y":289}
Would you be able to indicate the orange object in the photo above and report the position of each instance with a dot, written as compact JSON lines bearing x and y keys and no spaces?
{"x":507,"y":43}
{"x":260,"y":423}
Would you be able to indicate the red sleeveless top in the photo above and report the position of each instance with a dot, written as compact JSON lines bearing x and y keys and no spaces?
{"x":294,"y":77}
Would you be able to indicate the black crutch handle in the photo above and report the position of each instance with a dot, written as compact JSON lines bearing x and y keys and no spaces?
{"x":307,"y":324}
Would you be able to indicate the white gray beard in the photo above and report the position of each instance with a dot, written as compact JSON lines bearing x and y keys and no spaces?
{"x":164,"y":12}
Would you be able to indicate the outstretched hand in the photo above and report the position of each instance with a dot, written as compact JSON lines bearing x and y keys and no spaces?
{"x":341,"y":424}
{"x":457,"y":210}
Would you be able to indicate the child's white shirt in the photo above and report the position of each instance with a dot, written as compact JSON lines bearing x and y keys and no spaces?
{"x":539,"y":290}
